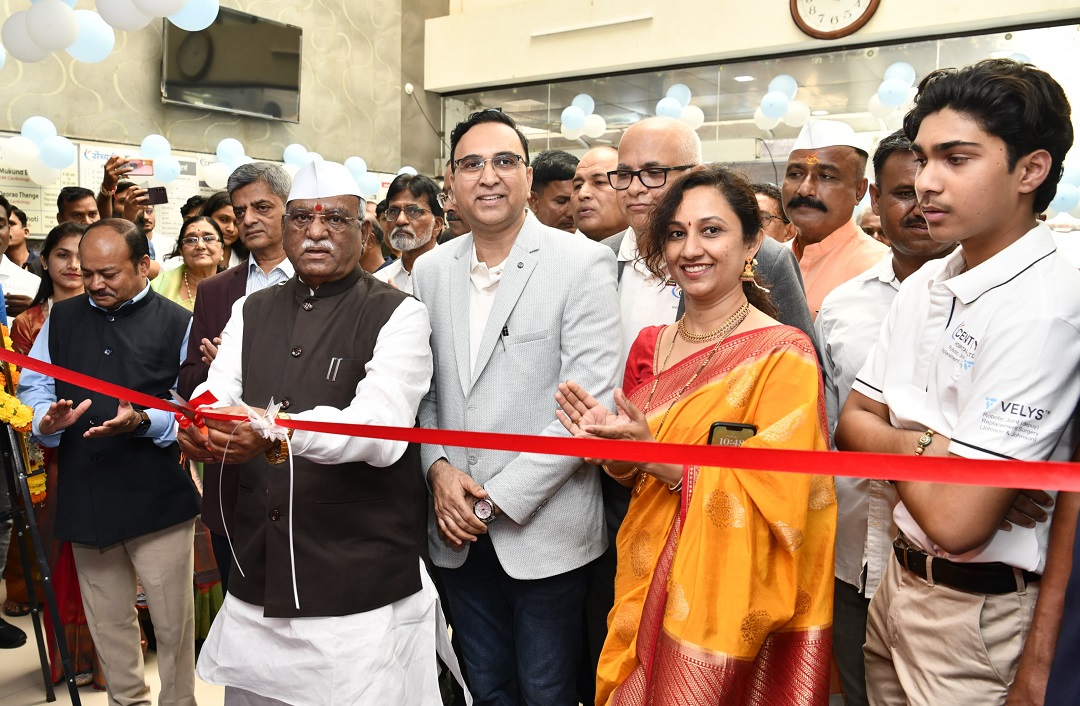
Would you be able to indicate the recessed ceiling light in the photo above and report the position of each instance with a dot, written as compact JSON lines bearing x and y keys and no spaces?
{"x":819,"y":112}
{"x":744,"y":79}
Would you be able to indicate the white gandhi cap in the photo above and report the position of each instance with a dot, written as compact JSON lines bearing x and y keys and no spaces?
{"x":819,"y":134}
{"x":321,"y":179}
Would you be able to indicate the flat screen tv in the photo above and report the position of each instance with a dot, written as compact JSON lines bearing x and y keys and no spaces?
{"x":240,"y":64}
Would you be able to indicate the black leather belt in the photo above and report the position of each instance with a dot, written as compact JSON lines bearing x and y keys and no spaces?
{"x":992,"y":578}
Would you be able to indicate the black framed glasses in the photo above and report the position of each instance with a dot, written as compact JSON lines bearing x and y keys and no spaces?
{"x":412,"y":212}
{"x":650,"y":177}
{"x":333,"y":220}
{"x":472,"y":165}
{"x":768,"y":218}
{"x":193,"y":240}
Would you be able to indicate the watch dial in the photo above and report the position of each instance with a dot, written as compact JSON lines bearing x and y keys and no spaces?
{"x":482,"y":509}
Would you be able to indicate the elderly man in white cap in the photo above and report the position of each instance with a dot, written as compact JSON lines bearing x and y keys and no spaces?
{"x":328,"y":601}
{"x":824,"y":182}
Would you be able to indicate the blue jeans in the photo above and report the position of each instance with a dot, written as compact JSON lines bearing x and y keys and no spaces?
{"x":521,"y":640}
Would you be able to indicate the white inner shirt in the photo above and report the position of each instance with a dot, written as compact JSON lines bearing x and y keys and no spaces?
{"x":484,"y":284}
{"x":644,"y":299}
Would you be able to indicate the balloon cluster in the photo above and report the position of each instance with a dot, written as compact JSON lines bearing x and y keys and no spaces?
{"x":1067,"y":197}
{"x":157,"y":148}
{"x":579,"y":119}
{"x":230,"y":154}
{"x":779,"y":105}
{"x":896,"y":94}
{"x":39,"y":150}
{"x":296,"y":156}
{"x":52,"y":25}
{"x":676,"y":104}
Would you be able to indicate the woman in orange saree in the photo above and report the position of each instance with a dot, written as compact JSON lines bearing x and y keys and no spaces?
{"x":723,"y":592}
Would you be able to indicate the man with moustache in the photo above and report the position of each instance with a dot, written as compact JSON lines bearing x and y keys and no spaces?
{"x":516,"y":307}
{"x":258,"y":191}
{"x":415,"y":217}
{"x":552,"y":189}
{"x":456,"y":225}
{"x":847,"y":329}
{"x":773,"y":221}
{"x":824,"y":182}
{"x":330,"y":603}
{"x":978,"y":358}
{"x":126,"y":503}
{"x":594,"y":205}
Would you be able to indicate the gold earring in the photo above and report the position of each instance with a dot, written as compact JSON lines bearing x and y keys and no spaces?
{"x":748,"y":270}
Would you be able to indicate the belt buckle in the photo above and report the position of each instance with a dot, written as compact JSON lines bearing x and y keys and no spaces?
{"x":905,"y":549}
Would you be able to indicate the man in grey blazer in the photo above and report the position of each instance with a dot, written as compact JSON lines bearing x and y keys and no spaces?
{"x":515,"y":307}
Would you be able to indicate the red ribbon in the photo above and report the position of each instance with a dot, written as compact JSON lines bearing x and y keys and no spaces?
{"x":1047,"y":475}
{"x":192,"y":414}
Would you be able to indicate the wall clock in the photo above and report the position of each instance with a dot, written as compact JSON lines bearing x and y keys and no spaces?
{"x":832,"y":19}
{"x":194,"y":55}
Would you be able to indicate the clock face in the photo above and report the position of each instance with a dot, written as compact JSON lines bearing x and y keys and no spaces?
{"x":832,"y":19}
{"x":194,"y":55}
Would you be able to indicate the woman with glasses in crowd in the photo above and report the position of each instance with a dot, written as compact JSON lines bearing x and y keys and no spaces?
{"x":723,"y":592}
{"x":200,"y":245}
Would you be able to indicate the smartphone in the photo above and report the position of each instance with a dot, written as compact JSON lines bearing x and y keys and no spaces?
{"x":730,"y":433}
{"x":141,"y":167}
{"x":156,"y":195}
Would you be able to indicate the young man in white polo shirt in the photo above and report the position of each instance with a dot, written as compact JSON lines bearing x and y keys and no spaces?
{"x":978,"y":358}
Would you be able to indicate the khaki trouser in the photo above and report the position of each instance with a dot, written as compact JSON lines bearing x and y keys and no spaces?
{"x":933,"y":645}
{"x":164,"y":562}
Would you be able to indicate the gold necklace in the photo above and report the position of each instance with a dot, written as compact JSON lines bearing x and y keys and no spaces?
{"x":187,"y":286}
{"x":725,"y":329}
{"x":737,"y":318}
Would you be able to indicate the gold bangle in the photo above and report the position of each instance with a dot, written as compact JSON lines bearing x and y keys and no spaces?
{"x":633,"y":472}
{"x":925,"y":440}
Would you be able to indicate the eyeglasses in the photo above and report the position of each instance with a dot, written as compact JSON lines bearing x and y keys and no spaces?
{"x":471,"y":166}
{"x":191,"y":241}
{"x":412,"y":212}
{"x":650,"y":178}
{"x":445,"y":197}
{"x":333,"y":220}
{"x":768,"y":218}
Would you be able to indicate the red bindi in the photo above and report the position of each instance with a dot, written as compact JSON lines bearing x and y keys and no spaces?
{"x":318,"y":207}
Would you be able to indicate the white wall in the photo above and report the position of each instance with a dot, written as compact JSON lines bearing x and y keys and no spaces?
{"x":502,"y":42}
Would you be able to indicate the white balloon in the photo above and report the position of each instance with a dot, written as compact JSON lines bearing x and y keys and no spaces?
{"x":42,"y":174}
{"x":197,"y":15}
{"x":19,"y":152}
{"x":797,"y":114}
{"x":96,"y":38}
{"x":52,"y":24}
{"x":763,"y":121}
{"x":411,"y":171}
{"x":160,"y":8}
{"x":123,"y":15}
{"x":878,"y":109}
{"x":292,"y":169}
{"x":17,"y":41}
{"x":693,"y":116}
{"x":573,"y":134}
{"x":216,"y":175}
{"x":595,"y":125}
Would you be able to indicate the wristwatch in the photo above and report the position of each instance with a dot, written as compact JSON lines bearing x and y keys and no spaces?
{"x":144,"y":424}
{"x":484,"y":510}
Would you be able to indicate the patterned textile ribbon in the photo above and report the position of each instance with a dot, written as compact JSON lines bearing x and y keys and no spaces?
{"x":1046,"y":475}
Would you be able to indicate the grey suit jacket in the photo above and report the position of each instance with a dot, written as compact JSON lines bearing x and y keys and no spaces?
{"x":555,"y":317}
{"x":778,"y":267}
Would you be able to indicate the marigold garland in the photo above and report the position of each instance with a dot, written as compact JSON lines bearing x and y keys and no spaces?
{"x":21,"y":417}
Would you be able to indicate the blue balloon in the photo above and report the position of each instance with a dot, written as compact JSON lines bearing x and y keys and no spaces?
{"x":230,"y":151}
{"x":296,"y":155}
{"x":197,"y":15}
{"x":1066,"y":199}
{"x":681,"y":93}
{"x":356,"y":166}
{"x":37,"y":129}
{"x":669,"y":107}
{"x":155,"y":147}
{"x":96,"y":38}
{"x":369,"y":184}
{"x":786,"y":85}
{"x":903,"y":71}
{"x":411,"y":171}
{"x":58,"y":152}
{"x":1071,"y":175}
{"x":774,"y":104}
{"x":166,"y":169}
{"x":70,"y":3}
{"x":585,"y":102}
{"x":892,"y":92}
{"x":573,"y":117}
